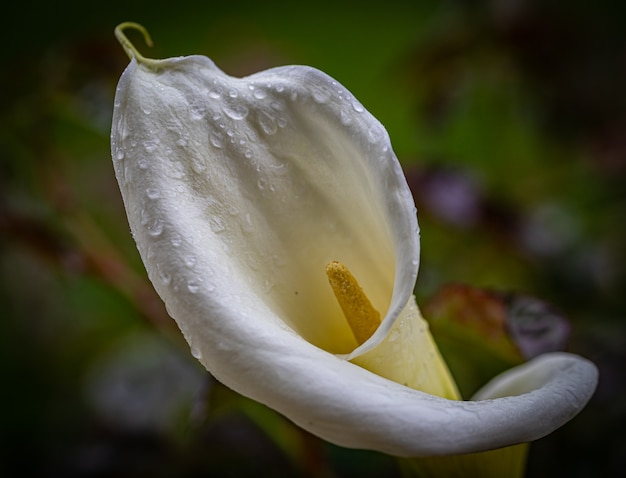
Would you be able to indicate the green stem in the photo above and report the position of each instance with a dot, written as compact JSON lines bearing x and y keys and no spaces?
{"x":506,"y":462}
{"x":130,"y":49}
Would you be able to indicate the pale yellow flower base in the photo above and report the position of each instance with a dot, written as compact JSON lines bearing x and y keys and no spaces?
{"x":409,"y":355}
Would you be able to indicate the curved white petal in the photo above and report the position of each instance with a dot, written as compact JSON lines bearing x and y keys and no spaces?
{"x":238,"y":192}
{"x":265,"y":179}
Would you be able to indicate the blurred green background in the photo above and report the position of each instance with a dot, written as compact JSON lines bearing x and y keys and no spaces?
{"x":509,"y":118}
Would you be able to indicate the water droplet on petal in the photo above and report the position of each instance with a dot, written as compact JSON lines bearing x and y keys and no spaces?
{"x":183,"y":141}
{"x":120,"y":154}
{"x":358,"y":107}
{"x":217,"y":224}
{"x":143,"y":217}
{"x":216,"y":140}
{"x":153,"y":193}
{"x":192,"y":286}
{"x":156,"y":228}
{"x":259,"y":94}
{"x":176,"y":240}
{"x":178,"y":170}
{"x":236,"y":112}
{"x":321,"y":95}
{"x":346,"y":119}
{"x":151,"y":145}
{"x":267,"y":122}
{"x":197,"y":111}
{"x":195,"y":353}
{"x":189,"y":260}
{"x":164,"y":275}
{"x":375,"y":134}
{"x":233,"y":93}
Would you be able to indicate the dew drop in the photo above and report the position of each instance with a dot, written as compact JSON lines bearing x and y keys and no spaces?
{"x":165,"y":276}
{"x":280,"y":88}
{"x":178,"y":170}
{"x":190,"y":260}
{"x":282,"y":122}
{"x":151,"y":145}
{"x":153,"y":193}
{"x":217,"y":224}
{"x":214,"y":93}
{"x":216,"y":140}
{"x":183,"y":140}
{"x":195,"y":352}
{"x":198,"y":165}
{"x":346,"y":119}
{"x":143,"y":217}
{"x":176,"y":240}
{"x":192,"y":286}
{"x":267,"y":122}
{"x":156,"y":228}
{"x":197,"y":111}
{"x":321,"y":96}
{"x":233,"y":93}
{"x":120,"y":154}
{"x":259,"y":94}
{"x":374,"y":134}
{"x":277,"y":105}
{"x":248,"y":154}
{"x":147,"y":110}
{"x":142,"y":163}
{"x":236,"y":112}
{"x":358,"y":107}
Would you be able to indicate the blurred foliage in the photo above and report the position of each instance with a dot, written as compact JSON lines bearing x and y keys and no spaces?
{"x":510,"y":120}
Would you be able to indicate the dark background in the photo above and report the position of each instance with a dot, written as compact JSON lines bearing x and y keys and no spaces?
{"x":509,"y":118}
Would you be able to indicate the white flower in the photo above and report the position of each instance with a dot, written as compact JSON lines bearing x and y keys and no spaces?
{"x":239,"y":193}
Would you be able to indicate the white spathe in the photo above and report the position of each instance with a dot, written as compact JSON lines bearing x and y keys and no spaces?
{"x":238,"y":193}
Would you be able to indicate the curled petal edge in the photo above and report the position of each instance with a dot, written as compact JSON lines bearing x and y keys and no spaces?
{"x":349,"y":406}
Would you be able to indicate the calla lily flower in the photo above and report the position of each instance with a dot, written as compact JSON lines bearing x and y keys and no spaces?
{"x":275,"y":222}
